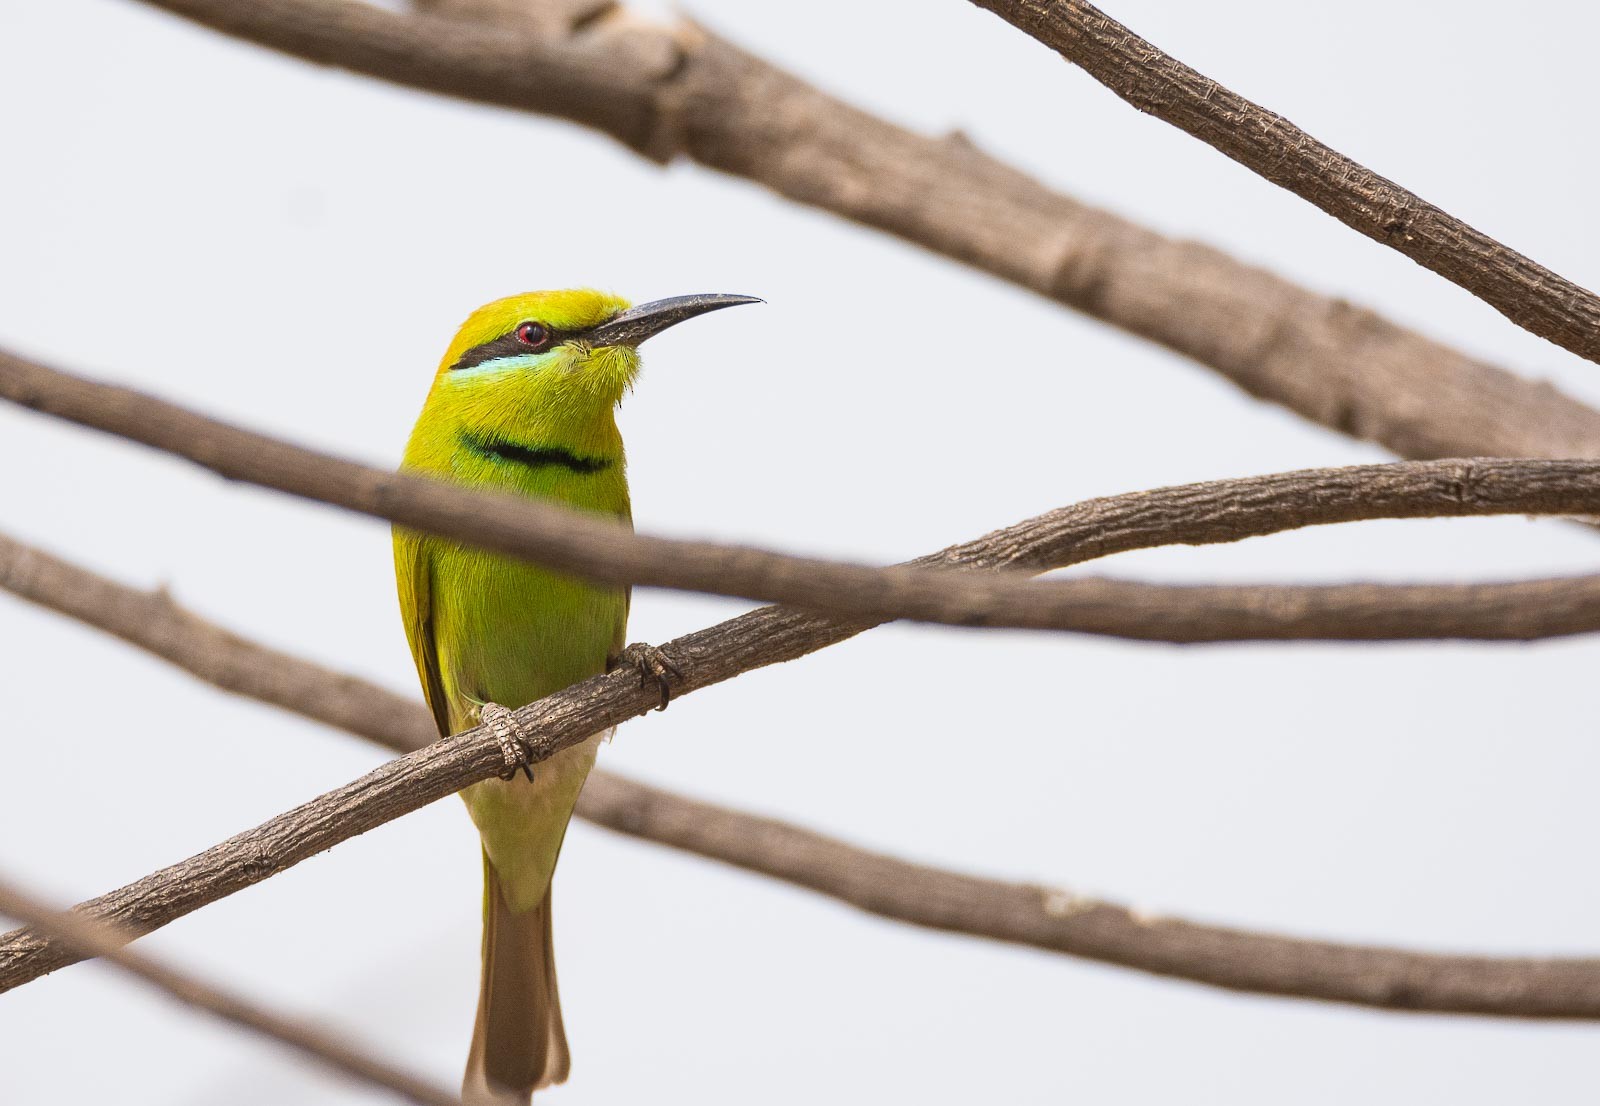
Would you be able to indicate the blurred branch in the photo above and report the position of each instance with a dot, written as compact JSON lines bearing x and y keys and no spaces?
{"x":678,"y":91}
{"x":1533,"y":297}
{"x":88,"y":937}
{"x":154,"y":622}
{"x":547,"y":17}
{"x":1059,"y":920}
{"x":1024,"y":914}
{"x":603,"y":550}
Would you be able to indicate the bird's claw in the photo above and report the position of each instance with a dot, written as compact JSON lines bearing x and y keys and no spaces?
{"x":653,"y":664}
{"x":513,"y":739}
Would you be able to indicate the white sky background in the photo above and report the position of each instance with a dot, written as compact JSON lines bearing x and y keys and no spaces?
{"x":291,"y":247}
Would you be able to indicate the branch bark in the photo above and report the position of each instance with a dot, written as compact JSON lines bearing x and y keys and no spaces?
{"x":1043,"y":918}
{"x":680,"y":91}
{"x":922,"y":591}
{"x":1535,"y":298}
{"x":87,"y":937}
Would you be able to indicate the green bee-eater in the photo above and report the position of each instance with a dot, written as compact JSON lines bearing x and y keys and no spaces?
{"x":523,"y":402}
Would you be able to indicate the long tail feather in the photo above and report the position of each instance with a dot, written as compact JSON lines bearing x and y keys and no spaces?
{"x":518,"y":1044}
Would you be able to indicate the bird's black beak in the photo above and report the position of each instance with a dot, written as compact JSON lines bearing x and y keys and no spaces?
{"x":648,"y":319}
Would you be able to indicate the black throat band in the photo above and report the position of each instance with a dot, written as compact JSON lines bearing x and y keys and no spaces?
{"x":533,"y":457}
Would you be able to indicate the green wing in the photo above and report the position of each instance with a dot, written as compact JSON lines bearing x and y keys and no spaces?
{"x":619,"y":640}
{"x":413,"y":572}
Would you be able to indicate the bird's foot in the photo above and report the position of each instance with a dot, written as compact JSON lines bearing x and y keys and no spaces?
{"x":513,"y":739}
{"x":652,"y":664}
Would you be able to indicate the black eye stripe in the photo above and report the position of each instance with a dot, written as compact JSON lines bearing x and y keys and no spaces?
{"x":507,"y":345}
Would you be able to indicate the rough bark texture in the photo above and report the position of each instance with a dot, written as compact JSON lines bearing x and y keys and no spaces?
{"x":1533,"y":297}
{"x":680,"y":91}
{"x":930,"y":591}
{"x":1025,"y":914}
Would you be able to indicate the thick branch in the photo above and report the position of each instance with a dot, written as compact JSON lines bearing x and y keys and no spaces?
{"x":919,"y":895}
{"x":602,"y":550}
{"x":452,"y":57}
{"x":88,"y":937}
{"x":1533,"y":297}
{"x":1339,"y":365}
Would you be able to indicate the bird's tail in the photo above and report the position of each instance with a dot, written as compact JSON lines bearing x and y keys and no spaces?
{"x":518,"y":1044}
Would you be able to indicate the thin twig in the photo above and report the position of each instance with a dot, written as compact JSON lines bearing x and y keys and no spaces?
{"x":1533,"y":297}
{"x":679,"y":90}
{"x":89,"y":937}
{"x":602,"y":550}
{"x":1042,"y":918}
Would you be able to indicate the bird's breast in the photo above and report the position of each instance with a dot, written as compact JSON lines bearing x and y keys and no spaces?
{"x":509,"y":632}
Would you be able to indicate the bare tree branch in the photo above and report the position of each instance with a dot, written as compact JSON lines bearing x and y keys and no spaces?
{"x":1061,"y":921}
{"x":1042,"y":918}
{"x":394,"y":789}
{"x":88,"y":937}
{"x":602,"y":550}
{"x":681,"y":91}
{"x":152,"y":621}
{"x":1533,"y":297}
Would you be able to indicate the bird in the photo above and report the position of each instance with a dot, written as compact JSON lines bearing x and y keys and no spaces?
{"x":524,"y":402}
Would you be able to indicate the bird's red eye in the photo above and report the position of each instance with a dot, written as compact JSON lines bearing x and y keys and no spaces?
{"x":532,"y":334}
